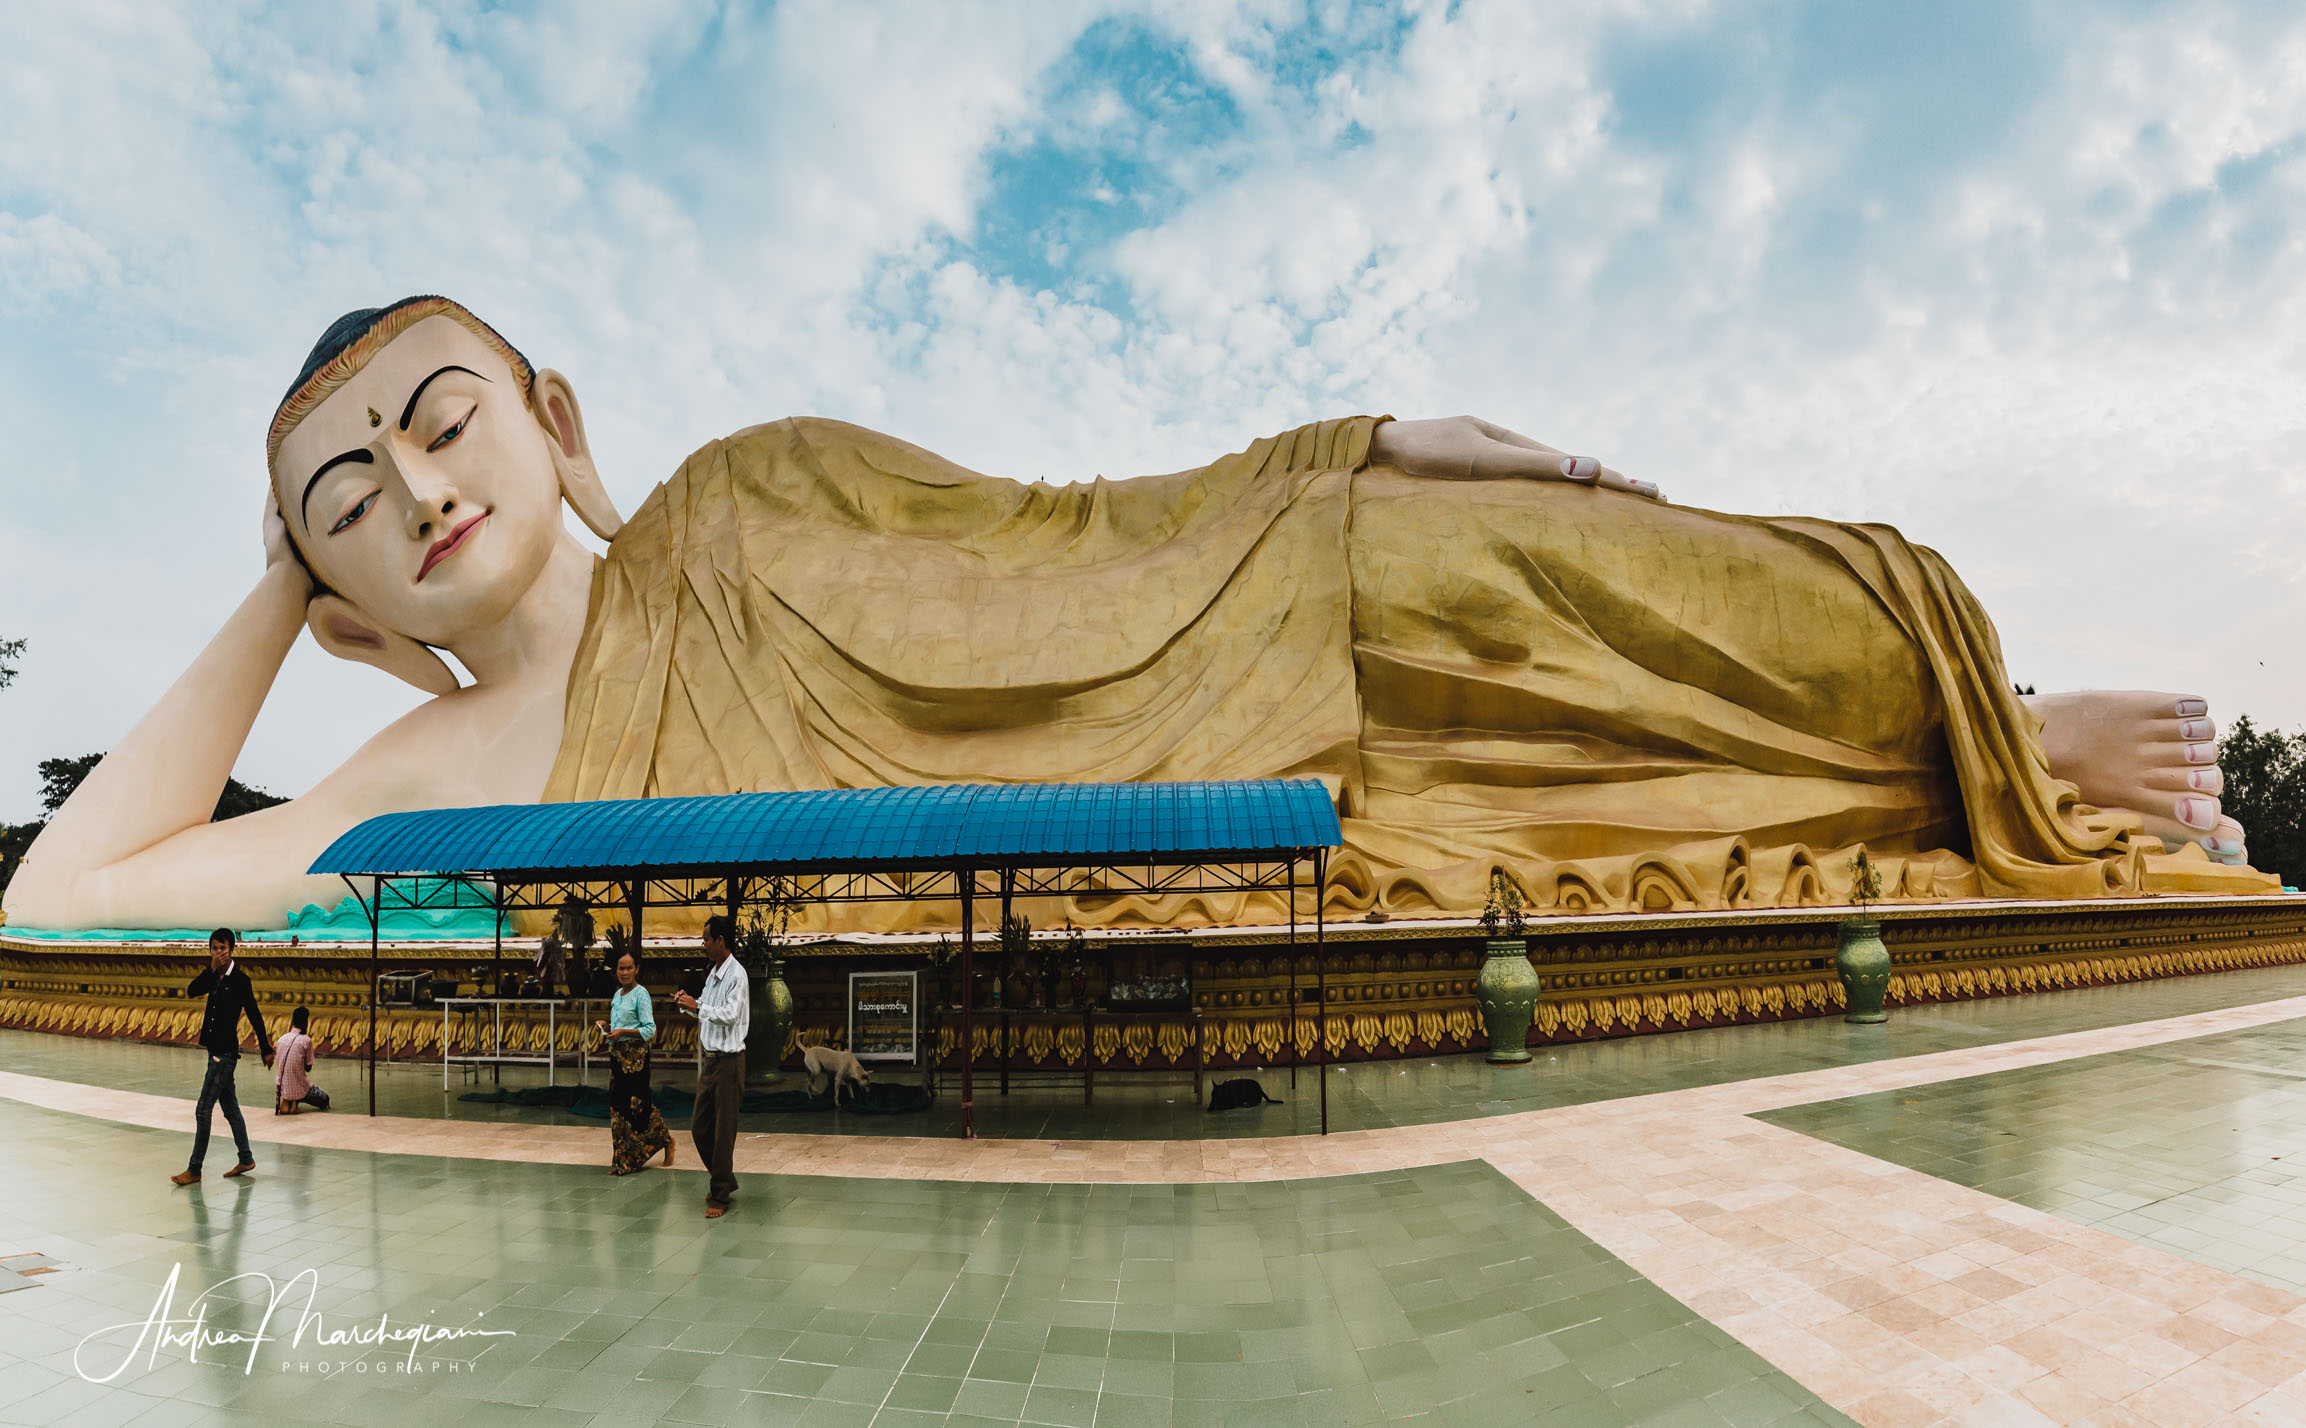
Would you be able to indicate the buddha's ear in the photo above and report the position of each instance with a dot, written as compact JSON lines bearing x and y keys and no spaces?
{"x":580,"y":481}
{"x":344,"y":631}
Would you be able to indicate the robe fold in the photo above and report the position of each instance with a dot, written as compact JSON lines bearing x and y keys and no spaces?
{"x":1628,"y":705}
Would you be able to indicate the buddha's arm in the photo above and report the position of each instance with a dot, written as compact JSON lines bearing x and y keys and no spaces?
{"x":1469,"y":449}
{"x":249,"y":871}
{"x":165,"y":774}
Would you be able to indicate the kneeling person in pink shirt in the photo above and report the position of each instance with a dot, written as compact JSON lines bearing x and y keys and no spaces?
{"x":294,"y":1068}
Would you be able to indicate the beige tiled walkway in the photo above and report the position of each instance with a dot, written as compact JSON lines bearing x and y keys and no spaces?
{"x":1899,"y":1298}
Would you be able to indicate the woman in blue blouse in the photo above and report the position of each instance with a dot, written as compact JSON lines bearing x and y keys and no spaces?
{"x":636,"y":1131}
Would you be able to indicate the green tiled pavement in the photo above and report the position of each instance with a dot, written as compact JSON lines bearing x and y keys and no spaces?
{"x":1362,"y":1096}
{"x":2188,"y":1146}
{"x":1443,"y":1295}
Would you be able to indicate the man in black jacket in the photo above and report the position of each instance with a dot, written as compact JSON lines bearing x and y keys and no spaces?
{"x":230,"y":995}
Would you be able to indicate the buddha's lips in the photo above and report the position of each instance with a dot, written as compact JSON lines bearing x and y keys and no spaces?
{"x":448,"y":545}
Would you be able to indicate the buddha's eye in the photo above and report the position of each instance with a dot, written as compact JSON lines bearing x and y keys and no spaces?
{"x":352,"y":517}
{"x":453,"y":432}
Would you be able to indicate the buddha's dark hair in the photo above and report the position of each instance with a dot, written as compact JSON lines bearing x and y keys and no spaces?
{"x":357,"y":336}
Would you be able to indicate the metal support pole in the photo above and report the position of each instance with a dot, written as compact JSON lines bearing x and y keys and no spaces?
{"x":495,"y":989}
{"x":968,"y":1003}
{"x":496,"y":955}
{"x":1008,"y":881}
{"x":375,"y":935}
{"x":1293,"y":1057}
{"x":1321,"y":977}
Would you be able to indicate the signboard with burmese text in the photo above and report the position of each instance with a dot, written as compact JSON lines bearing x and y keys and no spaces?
{"x":884,"y":1015}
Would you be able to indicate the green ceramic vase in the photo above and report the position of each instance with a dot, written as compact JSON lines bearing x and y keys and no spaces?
{"x":1863,"y":964}
{"x":772,"y":1023}
{"x":1507,"y":991}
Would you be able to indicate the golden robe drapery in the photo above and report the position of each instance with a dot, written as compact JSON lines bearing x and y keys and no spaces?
{"x":1629,"y":704}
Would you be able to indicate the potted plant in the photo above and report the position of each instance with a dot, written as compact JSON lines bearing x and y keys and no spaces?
{"x":944,"y":960}
{"x":1017,"y":960}
{"x":1069,"y":953}
{"x":1862,"y":962}
{"x":760,"y":943}
{"x":1507,"y":987}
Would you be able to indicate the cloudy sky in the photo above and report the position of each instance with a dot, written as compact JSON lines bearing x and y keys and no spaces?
{"x":2021,"y":279}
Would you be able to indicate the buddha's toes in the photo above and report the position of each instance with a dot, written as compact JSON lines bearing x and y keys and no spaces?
{"x":2153,"y":753}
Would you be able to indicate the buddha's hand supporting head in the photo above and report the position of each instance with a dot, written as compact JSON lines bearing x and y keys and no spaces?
{"x":279,"y":553}
{"x":418,"y":468}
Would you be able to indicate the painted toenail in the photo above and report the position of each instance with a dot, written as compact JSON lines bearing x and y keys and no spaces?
{"x":2197,"y":813}
{"x":1579,"y":466}
{"x":2189,"y":708}
{"x":2201,"y":754}
{"x":2195,"y":729}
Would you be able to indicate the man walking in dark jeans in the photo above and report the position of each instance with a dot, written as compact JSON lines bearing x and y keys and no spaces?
{"x":724,"y":1013}
{"x":230,"y":995}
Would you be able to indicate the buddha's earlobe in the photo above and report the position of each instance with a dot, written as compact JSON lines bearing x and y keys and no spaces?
{"x":345,"y":632}
{"x":580,"y":481}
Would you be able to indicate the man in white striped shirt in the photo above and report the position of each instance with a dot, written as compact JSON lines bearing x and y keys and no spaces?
{"x":724,"y":1013}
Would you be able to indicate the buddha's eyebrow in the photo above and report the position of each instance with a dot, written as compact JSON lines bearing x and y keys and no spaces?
{"x":363,"y":456}
{"x":408,"y":413}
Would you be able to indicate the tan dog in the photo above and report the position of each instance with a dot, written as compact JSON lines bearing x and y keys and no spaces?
{"x":840,"y":1065}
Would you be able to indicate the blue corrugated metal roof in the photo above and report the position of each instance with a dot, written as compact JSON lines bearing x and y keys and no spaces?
{"x":987,"y":825}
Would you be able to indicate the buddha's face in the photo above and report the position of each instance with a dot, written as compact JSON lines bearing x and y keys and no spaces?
{"x":423,"y":490}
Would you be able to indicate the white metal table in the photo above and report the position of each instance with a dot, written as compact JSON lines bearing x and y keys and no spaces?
{"x":486,"y":1017}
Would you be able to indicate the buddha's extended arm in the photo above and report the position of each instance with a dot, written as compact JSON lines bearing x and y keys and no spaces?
{"x":133,"y":846}
{"x":1467,"y":448}
{"x":164,"y":776}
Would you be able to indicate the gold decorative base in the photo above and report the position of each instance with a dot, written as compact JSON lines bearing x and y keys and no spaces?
{"x":1395,"y":989}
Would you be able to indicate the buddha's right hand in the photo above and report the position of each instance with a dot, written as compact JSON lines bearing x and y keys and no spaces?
{"x":279,"y":555}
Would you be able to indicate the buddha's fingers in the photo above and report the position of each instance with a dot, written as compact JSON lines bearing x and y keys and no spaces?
{"x":1499,"y":461}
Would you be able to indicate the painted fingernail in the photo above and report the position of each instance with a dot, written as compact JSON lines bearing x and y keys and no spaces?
{"x":2198,"y":813}
{"x":2206,"y":780}
{"x":2201,"y":754}
{"x":1579,"y":467}
{"x":2196,"y":729}
{"x":2189,"y":708}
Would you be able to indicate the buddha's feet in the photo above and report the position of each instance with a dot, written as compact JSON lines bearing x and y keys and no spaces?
{"x":2151,"y":753}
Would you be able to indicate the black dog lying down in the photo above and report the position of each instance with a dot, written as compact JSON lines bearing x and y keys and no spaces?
{"x":1241,"y":1091}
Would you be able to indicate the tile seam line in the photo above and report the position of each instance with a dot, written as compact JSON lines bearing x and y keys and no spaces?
{"x":1299,"y":1156}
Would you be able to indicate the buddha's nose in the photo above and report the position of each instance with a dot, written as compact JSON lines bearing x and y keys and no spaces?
{"x":432,"y":511}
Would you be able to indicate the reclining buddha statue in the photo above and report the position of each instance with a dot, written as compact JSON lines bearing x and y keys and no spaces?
{"x":1495,"y":654}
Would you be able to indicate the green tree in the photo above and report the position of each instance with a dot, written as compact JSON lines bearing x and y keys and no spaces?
{"x":59,"y":777}
{"x":2265,"y":792}
{"x":239,"y":798}
{"x":9,"y":651}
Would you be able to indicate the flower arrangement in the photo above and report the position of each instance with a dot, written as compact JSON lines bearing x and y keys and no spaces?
{"x":1501,"y":915}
